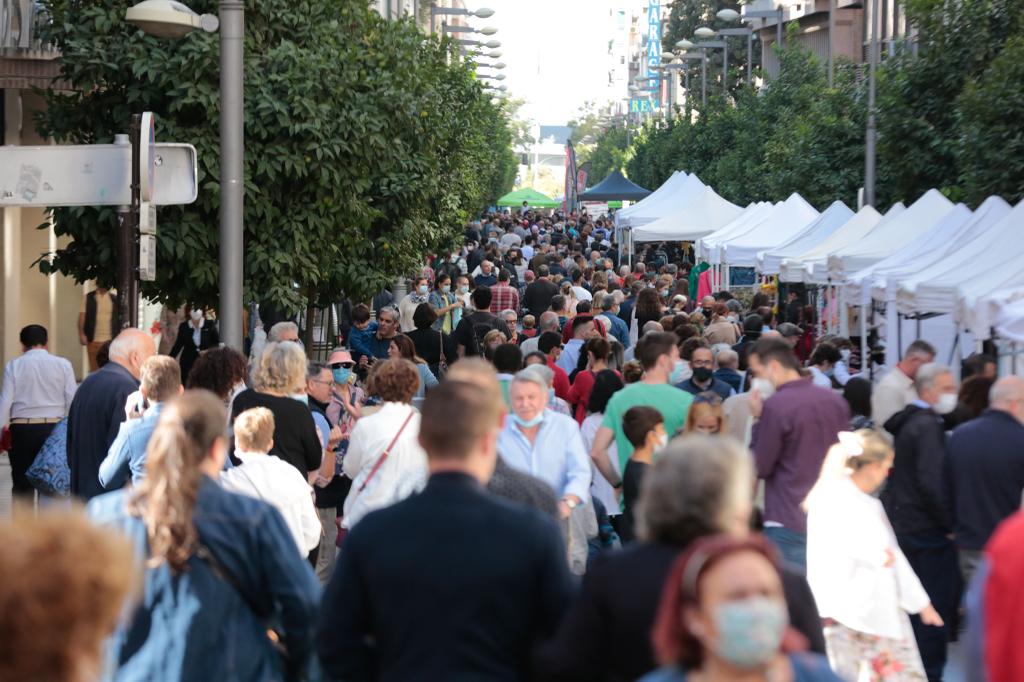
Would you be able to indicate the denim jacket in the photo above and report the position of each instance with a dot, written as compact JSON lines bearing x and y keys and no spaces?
{"x":195,"y":626}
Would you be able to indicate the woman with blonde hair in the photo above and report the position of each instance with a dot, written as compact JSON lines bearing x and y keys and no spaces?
{"x":570,"y":297}
{"x":280,"y":380}
{"x":218,"y":565}
{"x":706,"y":415}
{"x":862,"y":583}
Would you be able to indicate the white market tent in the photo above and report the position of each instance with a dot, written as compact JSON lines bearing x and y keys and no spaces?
{"x":890,"y":235}
{"x":801,"y":268}
{"x":670,"y":198}
{"x":704,"y":213}
{"x":959,"y":227}
{"x":938,"y":288}
{"x":753,"y":213}
{"x":835,"y":216}
{"x":787,"y":220}
{"x":1010,"y":320}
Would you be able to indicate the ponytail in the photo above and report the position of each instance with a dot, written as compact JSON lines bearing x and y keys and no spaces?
{"x":166,"y":498}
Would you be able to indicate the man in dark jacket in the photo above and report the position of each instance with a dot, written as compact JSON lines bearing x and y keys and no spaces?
{"x":752,"y":326}
{"x":916,"y":502}
{"x":489,"y":579}
{"x":99,"y":408}
{"x":538,"y":294}
{"x":986,"y":470}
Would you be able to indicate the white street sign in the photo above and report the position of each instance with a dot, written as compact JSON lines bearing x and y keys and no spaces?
{"x":93,"y":175}
{"x":147,"y":218}
{"x":147,"y":156}
{"x":147,"y":257}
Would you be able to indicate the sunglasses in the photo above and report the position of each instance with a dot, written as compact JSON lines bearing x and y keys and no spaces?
{"x":343,"y":365}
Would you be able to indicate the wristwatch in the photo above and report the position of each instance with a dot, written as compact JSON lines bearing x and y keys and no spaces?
{"x":570,"y":503}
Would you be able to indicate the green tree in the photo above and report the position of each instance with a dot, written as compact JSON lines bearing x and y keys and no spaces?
{"x":367,"y":145}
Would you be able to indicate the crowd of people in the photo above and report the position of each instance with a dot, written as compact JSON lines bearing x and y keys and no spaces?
{"x":541,"y":463}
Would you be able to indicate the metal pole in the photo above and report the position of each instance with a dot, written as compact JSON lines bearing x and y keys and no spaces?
{"x":750,"y":56}
{"x":831,"y":42}
{"x":232,"y":150}
{"x":132,"y":231}
{"x":124,"y":245}
{"x":725,"y":66}
{"x":872,"y":130}
{"x":778,"y":30}
{"x":704,"y":79}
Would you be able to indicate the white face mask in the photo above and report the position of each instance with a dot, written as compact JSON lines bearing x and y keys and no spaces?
{"x":197,"y":315}
{"x":845,"y":354}
{"x":662,"y":442}
{"x":764,"y":388}
{"x":947,"y":403}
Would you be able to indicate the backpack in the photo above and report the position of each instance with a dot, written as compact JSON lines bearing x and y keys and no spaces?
{"x":480,"y":329}
{"x":49,"y":472}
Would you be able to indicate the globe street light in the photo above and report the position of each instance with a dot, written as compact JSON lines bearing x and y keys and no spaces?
{"x":683,"y":44}
{"x":704,"y":33}
{"x":170,"y":19}
{"x":728,"y":15}
{"x":487,"y":31}
{"x":482,"y":13}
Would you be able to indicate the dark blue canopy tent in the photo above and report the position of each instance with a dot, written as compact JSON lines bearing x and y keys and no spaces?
{"x":616,"y":187}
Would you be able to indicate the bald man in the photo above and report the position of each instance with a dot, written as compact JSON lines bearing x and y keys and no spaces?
{"x":986,"y":462}
{"x":99,"y":408}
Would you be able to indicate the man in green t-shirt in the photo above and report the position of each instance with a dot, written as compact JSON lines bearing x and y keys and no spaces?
{"x":658,"y":354}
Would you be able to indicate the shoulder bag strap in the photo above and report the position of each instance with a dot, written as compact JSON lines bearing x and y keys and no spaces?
{"x":440,"y":341}
{"x":387,"y":451}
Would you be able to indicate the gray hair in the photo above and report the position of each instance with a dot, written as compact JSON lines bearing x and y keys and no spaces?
{"x":313,"y":369}
{"x":1006,"y":390}
{"x":604,"y":301}
{"x":128,"y":341}
{"x":700,"y":485}
{"x":728,"y":358}
{"x":542,"y":375}
{"x":548,"y":321}
{"x":391,"y":310}
{"x":506,"y":312}
{"x":281,"y":327}
{"x":652,"y":326}
{"x":282,"y":368}
{"x":927,"y":374}
{"x":921,"y":349}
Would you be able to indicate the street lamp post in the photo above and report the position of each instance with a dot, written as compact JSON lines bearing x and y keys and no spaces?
{"x":487,"y":31}
{"x":872,"y":129}
{"x":717,"y":44}
{"x":482,"y":13}
{"x":167,"y":19}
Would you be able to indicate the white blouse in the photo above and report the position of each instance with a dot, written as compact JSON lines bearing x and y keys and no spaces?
{"x":402,"y":474}
{"x":848,"y":534}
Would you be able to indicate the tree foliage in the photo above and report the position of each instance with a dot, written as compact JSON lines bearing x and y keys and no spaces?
{"x":367,"y":145}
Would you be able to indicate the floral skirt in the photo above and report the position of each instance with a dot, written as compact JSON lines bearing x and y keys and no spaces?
{"x":859,"y":657}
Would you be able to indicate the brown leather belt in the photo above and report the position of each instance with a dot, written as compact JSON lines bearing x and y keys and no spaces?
{"x":37,"y":420}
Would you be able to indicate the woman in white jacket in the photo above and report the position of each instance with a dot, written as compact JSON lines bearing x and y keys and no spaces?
{"x":862,"y":583}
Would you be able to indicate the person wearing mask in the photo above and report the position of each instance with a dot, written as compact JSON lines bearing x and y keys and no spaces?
{"x":38,"y":391}
{"x":645,"y":428}
{"x":97,"y":574}
{"x":99,"y":407}
{"x":606,"y":383}
{"x":606,"y":307}
{"x":384,"y":460}
{"x":545,"y":444}
{"x":550,"y":345}
{"x":753,"y":326}
{"x":723,"y":617}
{"x":420,"y":293}
{"x":474,"y":325}
{"x":497,"y":569}
{"x":706,"y":415}
{"x":160,"y":381}
{"x":208,"y":587}
{"x":916,"y":500}
{"x":698,"y":486}
{"x":280,"y":386}
{"x":822,"y":365}
{"x":504,"y":296}
{"x":861,"y":580}
{"x":796,"y":426}
{"x":446,"y":306}
{"x":720,"y":329}
{"x":194,"y":336}
{"x":738,"y":409}
{"x":271,"y":479}
{"x":702,"y":363}
{"x":98,"y":322}
{"x":435,"y":347}
{"x":896,"y":389}
{"x":986,"y":470}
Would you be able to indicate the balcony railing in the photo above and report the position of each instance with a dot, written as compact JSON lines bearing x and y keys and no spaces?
{"x":20,"y":21}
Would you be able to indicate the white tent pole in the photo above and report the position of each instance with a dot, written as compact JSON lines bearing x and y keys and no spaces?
{"x":863,"y":339}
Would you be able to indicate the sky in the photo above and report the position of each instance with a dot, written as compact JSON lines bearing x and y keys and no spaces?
{"x":554,"y":52}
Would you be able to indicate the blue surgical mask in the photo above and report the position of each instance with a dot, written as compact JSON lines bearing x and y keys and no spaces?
{"x":677,"y":372}
{"x":526,"y":424}
{"x":446,"y":288}
{"x":464,"y":289}
{"x":422,"y":289}
{"x":749,"y":631}
{"x":551,"y":396}
{"x":301,"y":397}
{"x":341,"y":375}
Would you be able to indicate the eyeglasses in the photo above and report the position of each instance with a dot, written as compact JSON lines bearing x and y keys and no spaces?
{"x":343,"y":365}
{"x":321,"y":381}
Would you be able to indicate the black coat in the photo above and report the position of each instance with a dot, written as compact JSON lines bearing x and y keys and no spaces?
{"x":607,"y":633}
{"x":450,"y":584}
{"x":93,"y":422}
{"x":185,"y":345}
{"x":915,"y":497}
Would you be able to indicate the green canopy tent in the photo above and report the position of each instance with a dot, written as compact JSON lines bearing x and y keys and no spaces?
{"x":531,"y":196}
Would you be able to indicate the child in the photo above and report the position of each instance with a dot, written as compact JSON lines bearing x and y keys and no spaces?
{"x":644,"y":427}
{"x":362,"y":330}
{"x":271,"y":479}
{"x":529,"y":327}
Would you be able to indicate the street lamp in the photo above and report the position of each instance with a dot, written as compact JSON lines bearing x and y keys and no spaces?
{"x":487,"y":31}
{"x":683,"y":45}
{"x":499,"y":77}
{"x":704,"y":33}
{"x":482,"y":13}
{"x":170,"y":19}
{"x":728,"y":15}
{"x":778,"y":14}
{"x":718,"y":44}
{"x":490,"y":43}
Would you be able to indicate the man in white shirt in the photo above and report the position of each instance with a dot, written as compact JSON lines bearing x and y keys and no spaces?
{"x":271,"y":479}
{"x":37,"y":393}
{"x":896,"y":390}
